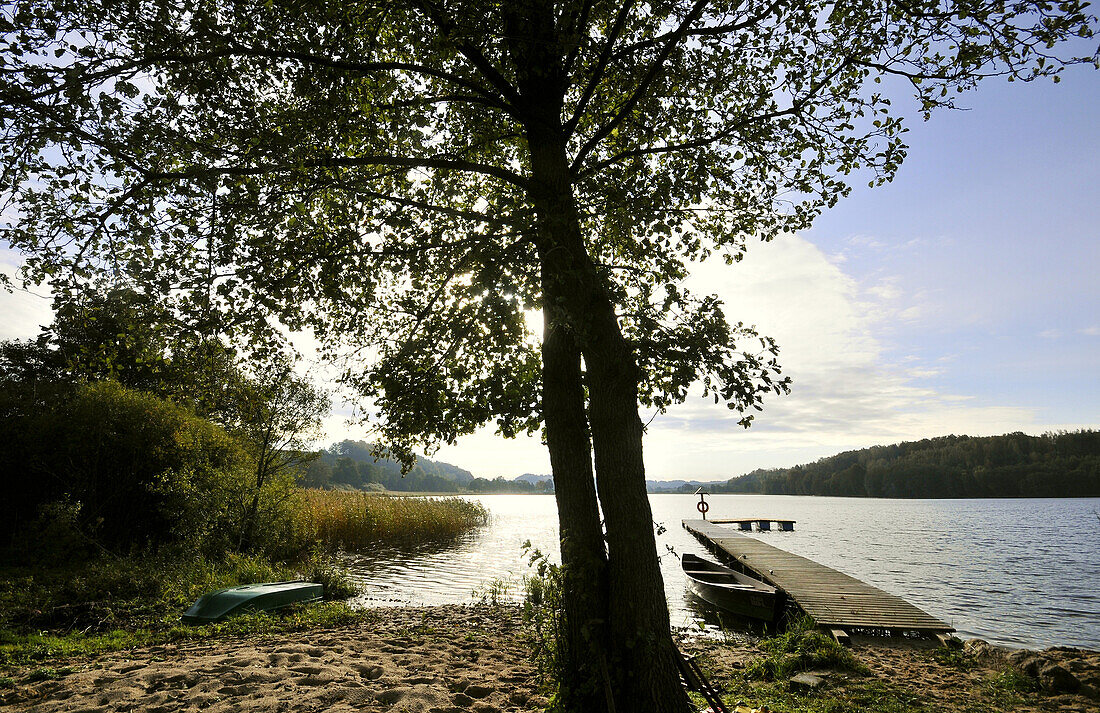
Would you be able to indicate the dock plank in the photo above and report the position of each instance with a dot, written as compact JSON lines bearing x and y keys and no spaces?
{"x":832,"y":598}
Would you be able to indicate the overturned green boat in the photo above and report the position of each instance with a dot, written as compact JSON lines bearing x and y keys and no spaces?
{"x":268,"y":596}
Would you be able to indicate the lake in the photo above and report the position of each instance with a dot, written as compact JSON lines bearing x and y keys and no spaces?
{"x":1019,"y":572}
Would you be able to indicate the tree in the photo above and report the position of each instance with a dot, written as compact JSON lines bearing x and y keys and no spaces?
{"x":119,"y":335}
{"x":136,"y":470}
{"x":279,"y":414}
{"x":411,"y":176}
{"x":114,"y":334}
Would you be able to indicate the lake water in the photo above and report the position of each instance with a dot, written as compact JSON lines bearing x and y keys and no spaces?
{"x":1020,"y":572}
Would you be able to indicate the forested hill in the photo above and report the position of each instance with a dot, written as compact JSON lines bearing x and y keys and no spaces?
{"x":351,"y":464}
{"x":1013,"y":465}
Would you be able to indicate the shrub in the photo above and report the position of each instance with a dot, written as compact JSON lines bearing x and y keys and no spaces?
{"x":143,"y":470}
{"x":326,"y":570}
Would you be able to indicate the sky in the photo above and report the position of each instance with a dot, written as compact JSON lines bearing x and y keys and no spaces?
{"x":962,"y":298}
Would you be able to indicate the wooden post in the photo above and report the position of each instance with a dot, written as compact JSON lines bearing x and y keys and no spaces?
{"x":763,"y":525}
{"x":703,"y":506}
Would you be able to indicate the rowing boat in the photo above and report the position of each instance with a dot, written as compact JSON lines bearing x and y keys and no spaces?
{"x":268,"y":596}
{"x":731,"y":590}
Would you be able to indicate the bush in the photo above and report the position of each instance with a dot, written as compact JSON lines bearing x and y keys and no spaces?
{"x":326,"y":570}
{"x":139,"y":471}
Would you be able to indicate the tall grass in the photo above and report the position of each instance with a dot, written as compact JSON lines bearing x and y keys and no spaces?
{"x":353,"y":521}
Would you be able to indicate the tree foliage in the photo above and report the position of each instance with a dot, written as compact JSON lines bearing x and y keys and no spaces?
{"x":110,"y":359}
{"x":362,"y":168}
{"x":136,"y":471}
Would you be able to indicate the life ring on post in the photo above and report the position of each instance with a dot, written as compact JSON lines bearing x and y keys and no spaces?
{"x":702,"y":507}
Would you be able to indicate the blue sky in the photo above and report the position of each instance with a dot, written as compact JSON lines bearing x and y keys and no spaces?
{"x":961,"y":298}
{"x":1002,"y":206}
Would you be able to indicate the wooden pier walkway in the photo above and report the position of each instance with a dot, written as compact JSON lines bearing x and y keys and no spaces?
{"x":834,"y":599}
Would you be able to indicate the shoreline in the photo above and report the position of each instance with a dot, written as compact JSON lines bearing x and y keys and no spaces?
{"x":453,"y":658}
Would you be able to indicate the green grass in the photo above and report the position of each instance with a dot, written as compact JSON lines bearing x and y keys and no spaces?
{"x":116,"y":603}
{"x":40,"y":648}
{"x":801,"y":647}
{"x":862,"y":696}
{"x":112,"y":604}
{"x":843,"y":694}
{"x":956,"y":658}
{"x":351,"y":521}
{"x":496,"y":592}
{"x":1009,"y":688}
{"x":47,"y":673}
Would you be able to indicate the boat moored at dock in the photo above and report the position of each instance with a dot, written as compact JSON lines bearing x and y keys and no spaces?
{"x":731,"y":590}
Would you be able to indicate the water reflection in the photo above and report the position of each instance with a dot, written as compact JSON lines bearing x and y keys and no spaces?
{"x":973,"y":563}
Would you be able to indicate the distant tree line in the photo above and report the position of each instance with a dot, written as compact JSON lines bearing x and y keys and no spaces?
{"x":1063,"y":464}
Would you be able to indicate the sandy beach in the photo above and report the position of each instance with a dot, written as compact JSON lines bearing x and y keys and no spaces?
{"x":439,"y":659}
{"x":477,"y":658}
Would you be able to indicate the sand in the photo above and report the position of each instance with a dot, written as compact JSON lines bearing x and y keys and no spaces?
{"x":439,"y":659}
{"x":477,"y":658}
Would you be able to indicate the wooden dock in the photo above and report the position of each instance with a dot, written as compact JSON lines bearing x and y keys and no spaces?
{"x":763,"y":524}
{"x":835,"y":600}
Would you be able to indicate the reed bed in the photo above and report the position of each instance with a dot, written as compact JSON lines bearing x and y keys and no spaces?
{"x":353,"y":521}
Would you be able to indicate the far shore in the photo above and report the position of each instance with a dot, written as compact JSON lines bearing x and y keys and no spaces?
{"x":478,"y":658}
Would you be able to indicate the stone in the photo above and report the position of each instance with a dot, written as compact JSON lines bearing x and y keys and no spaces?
{"x":1057,"y":679}
{"x":949,"y":641}
{"x":806,"y":682}
{"x":1027,"y":662}
{"x":979,"y":649}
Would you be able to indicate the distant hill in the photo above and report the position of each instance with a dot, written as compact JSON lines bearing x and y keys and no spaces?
{"x":680,"y":486}
{"x":1013,"y":465}
{"x":351,"y":464}
{"x":533,"y":479}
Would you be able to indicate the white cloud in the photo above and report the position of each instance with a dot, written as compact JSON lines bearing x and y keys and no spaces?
{"x":1093,"y":331}
{"x":847,"y":392}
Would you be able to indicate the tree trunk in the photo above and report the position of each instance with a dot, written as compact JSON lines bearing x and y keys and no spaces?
{"x":582,"y":649}
{"x":642,"y":661}
{"x":648,"y":671}
{"x":580,"y":316}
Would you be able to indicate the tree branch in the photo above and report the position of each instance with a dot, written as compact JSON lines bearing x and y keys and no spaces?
{"x":643,"y":86}
{"x":346,"y":162}
{"x":601,"y":68}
